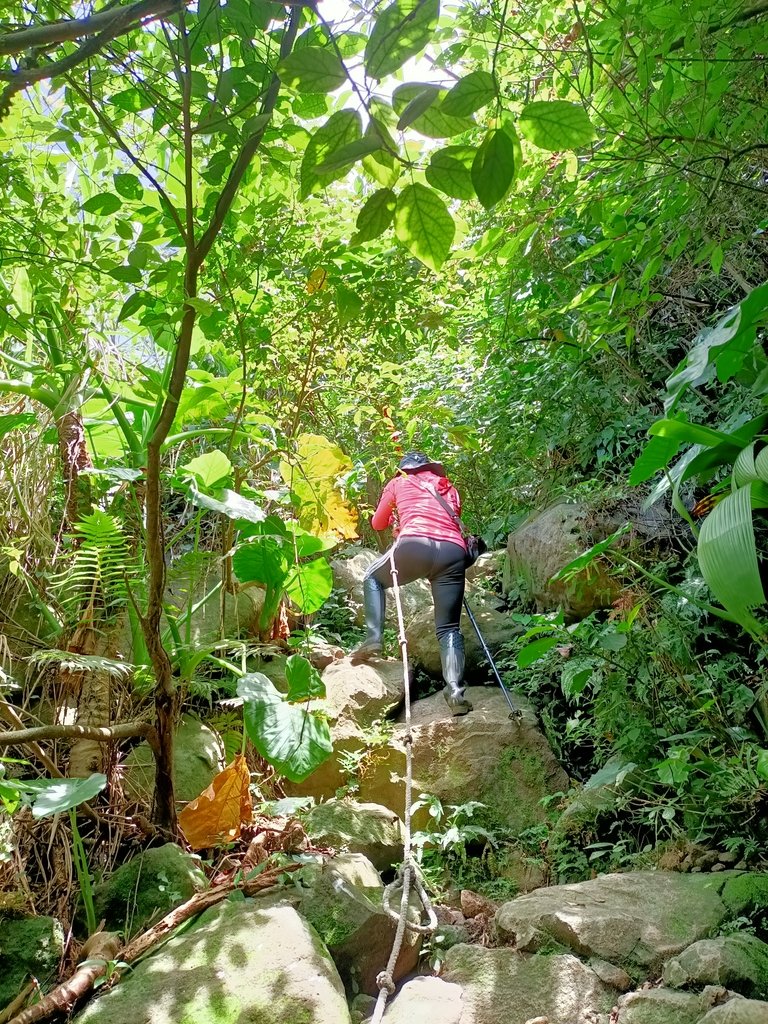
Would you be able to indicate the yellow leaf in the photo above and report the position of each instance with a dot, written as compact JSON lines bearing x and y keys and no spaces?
{"x":217,"y":814}
{"x":319,"y":463}
{"x":317,"y":280}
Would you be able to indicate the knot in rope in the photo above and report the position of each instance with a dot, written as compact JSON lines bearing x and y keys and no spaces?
{"x":385,"y":982}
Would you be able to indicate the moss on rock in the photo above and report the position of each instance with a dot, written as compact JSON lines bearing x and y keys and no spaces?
{"x":147,"y":887}
{"x":28,"y":946}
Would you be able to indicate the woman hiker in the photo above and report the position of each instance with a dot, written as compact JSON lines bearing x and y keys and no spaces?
{"x":429,"y":545}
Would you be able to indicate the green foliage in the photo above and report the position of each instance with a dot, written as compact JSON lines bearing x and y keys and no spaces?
{"x":292,"y":739}
{"x":98,"y":568}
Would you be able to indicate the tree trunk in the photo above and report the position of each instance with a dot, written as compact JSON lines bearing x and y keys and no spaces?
{"x":74,"y":459}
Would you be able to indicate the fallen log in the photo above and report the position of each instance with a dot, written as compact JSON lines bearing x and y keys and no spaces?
{"x":64,"y":998}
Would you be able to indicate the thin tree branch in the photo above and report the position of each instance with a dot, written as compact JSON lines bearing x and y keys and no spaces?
{"x":101,"y":734}
{"x":116,"y":20}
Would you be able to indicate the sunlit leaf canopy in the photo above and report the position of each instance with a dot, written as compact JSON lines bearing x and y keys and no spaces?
{"x":476,"y":187}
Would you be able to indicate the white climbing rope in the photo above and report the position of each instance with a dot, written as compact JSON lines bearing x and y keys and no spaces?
{"x":409,"y":874}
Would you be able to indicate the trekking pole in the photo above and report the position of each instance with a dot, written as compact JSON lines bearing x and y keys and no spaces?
{"x":514,"y":712}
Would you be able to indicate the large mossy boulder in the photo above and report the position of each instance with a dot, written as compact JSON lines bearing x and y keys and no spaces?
{"x":487,"y":756}
{"x":146,"y":887}
{"x":737,"y":1011}
{"x":662,"y":1006}
{"x":369,"y":829}
{"x":198,"y":755}
{"x":500,"y":986}
{"x":240,"y":963}
{"x":738,"y":962}
{"x":544,"y":544}
{"x":636,"y":920}
{"x":357,"y":696}
{"x":30,"y":947}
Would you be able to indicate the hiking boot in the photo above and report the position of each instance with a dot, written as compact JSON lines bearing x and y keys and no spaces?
{"x":375,"y":608}
{"x":452,"y":659}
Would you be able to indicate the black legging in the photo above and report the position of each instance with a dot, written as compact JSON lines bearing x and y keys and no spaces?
{"x":439,"y":561}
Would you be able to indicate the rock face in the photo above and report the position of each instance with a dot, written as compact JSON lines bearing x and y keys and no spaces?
{"x":546,"y":542}
{"x":426,"y":1001}
{"x":497,"y":628}
{"x":501,"y":986}
{"x":239,"y":964}
{"x":350,"y":920}
{"x":356,"y":696}
{"x":737,"y":1011}
{"x":485,"y":756}
{"x":738,"y":962}
{"x":198,"y":755}
{"x":146,"y":887}
{"x":369,"y":829}
{"x":29,"y":946}
{"x":635,"y":920}
{"x":662,"y":1006}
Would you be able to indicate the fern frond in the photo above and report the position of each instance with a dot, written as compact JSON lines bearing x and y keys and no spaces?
{"x":98,"y":568}
{"x":81,"y":663}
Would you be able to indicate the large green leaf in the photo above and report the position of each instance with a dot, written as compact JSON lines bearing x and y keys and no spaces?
{"x":424,"y":225}
{"x":339,"y":130}
{"x":128,"y":185}
{"x":556,"y":124}
{"x":728,"y":556}
{"x":304,"y":681}
{"x":493,"y":168}
{"x":469,"y":94}
{"x":229,"y":503}
{"x":400,"y":32}
{"x":689,"y":433}
{"x":53,"y":796}
{"x":103,"y":204}
{"x":655,"y":456}
{"x":13,"y":420}
{"x":433,"y":121}
{"x":312,"y":69}
{"x":375,"y":217}
{"x":342,"y":159}
{"x":292,"y":739}
{"x":260,"y":560}
{"x":209,"y":469}
{"x":450,"y":170}
{"x":309,"y":584}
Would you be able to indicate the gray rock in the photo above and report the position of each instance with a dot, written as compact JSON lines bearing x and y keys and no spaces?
{"x":146,"y":887}
{"x":497,"y":628}
{"x":370,"y":829}
{"x":661,"y":1006}
{"x":598,"y":795}
{"x":739,"y":962}
{"x":636,"y":920}
{"x":238,"y":963}
{"x":353,"y":925}
{"x":29,"y":947}
{"x":737,"y":1011}
{"x":198,"y":755}
{"x":427,"y":1001}
{"x":549,"y":540}
{"x":612,"y":975}
{"x":486,"y":756}
{"x":501,"y":986}
{"x":356,"y":696}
